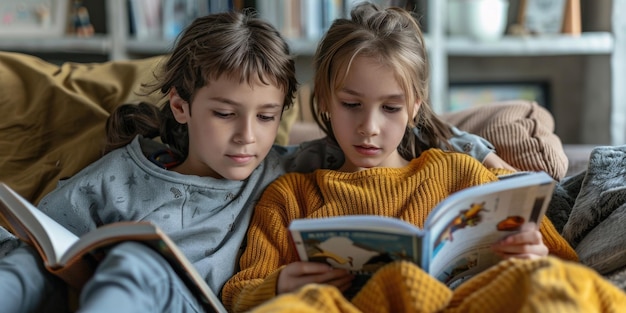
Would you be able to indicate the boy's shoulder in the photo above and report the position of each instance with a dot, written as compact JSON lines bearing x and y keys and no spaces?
{"x":110,"y":162}
{"x":311,"y":155}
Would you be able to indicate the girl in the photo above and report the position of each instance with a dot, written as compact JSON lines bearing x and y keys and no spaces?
{"x":371,"y":89}
{"x":228,"y":80}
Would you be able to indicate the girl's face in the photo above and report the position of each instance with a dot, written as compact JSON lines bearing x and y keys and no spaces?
{"x":232,"y":127}
{"x":369,"y":116}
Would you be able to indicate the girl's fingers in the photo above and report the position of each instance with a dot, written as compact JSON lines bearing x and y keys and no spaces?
{"x":528,"y":243}
{"x":342,"y":283}
{"x":529,"y":234}
{"x":298,"y":274}
{"x":306,"y":268}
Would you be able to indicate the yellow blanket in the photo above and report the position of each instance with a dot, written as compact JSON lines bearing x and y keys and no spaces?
{"x":543,"y":285}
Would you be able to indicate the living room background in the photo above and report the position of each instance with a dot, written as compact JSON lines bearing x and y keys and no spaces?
{"x":584,"y":74}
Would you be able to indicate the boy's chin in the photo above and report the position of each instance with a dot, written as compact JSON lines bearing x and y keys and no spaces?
{"x":236,"y":173}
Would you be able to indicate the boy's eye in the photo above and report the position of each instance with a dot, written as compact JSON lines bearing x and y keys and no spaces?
{"x":222,"y":114}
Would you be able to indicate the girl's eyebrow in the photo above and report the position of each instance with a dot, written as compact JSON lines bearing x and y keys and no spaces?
{"x":270,"y":105}
{"x":398,"y":96}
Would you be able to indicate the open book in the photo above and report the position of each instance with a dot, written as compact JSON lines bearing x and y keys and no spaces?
{"x":74,"y":259}
{"x":454,"y":245}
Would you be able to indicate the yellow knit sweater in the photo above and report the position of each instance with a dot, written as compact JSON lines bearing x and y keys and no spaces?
{"x":408,"y":193}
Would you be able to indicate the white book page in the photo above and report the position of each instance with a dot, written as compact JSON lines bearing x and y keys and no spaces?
{"x":62,"y":238}
{"x":460,"y":237}
{"x":357,"y":222}
{"x":39,"y":225}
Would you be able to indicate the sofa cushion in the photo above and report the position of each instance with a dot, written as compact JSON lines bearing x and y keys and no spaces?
{"x":595,"y":227}
{"x":521,"y":131}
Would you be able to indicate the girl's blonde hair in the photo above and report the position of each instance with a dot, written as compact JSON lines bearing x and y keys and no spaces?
{"x":393,"y":37}
{"x":236,"y":44}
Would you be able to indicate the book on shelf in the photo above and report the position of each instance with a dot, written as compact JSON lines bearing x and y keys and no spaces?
{"x":454,"y":244}
{"x":301,"y":19}
{"x":145,"y":18}
{"x":74,"y":259}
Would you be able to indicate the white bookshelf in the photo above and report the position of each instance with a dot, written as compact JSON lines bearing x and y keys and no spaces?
{"x":585,"y":44}
{"x":100,"y":44}
{"x":601,"y":120}
{"x":604,"y":120}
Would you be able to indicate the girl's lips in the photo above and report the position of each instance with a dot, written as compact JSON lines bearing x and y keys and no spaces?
{"x":367,"y":150}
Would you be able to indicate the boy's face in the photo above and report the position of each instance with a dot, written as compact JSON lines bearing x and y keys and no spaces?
{"x":232,"y":127}
{"x":369,"y":116}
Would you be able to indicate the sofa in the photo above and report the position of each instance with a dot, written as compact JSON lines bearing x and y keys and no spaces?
{"x":53,"y":117}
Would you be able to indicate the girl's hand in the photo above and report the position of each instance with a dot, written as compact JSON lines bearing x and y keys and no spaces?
{"x":298,"y":274}
{"x":527,"y":244}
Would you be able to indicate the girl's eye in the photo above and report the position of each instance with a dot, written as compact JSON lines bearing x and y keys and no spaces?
{"x":350,"y":105}
{"x":392,"y":109}
{"x":266,"y":118}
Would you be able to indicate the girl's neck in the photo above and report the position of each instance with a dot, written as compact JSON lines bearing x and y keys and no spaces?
{"x":395,"y":160}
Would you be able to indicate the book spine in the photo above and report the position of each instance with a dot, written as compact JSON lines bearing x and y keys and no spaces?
{"x":77,"y":272}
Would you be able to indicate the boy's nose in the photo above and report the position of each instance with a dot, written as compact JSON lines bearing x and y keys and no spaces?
{"x":245,"y":134}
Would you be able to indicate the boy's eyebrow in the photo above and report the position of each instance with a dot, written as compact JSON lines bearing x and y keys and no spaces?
{"x":398,"y":96}
{"x":270,"y":105}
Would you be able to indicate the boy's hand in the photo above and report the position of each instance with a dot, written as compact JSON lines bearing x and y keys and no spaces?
{"x":298,"y":274}
{"x":527,"y":244}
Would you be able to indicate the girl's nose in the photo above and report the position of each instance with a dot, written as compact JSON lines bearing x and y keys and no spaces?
{"x":368,"y":126}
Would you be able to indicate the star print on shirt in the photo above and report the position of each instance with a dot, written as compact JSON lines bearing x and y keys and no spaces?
{"x":131,"y":181}
{"x":230,"y":196}
{"x":87,"y":189}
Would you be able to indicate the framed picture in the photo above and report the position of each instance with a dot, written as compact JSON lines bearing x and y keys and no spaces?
{"x":41,"y":18}
{"x":467,"y":95}
{"x":542,"y":16}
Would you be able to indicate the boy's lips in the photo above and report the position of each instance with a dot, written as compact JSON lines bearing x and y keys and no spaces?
{"x":241,"y":158}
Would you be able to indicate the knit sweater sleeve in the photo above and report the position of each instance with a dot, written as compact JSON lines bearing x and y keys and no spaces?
{"x":557,"y":245}
{"x":269,"y":246}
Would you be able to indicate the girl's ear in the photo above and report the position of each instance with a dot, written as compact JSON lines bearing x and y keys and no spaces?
{"x":179,"y":107}
{"x":416,"y":108}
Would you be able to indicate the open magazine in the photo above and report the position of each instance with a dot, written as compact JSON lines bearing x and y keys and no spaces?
{"x":454,"y":245}
{"x":74,"y":259}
